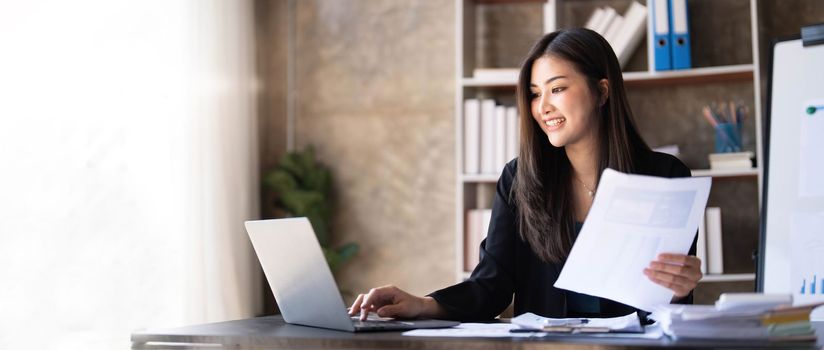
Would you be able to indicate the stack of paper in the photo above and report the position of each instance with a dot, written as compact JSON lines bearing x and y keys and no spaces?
{"x":780,"y":323}
{"x":736,"y":160}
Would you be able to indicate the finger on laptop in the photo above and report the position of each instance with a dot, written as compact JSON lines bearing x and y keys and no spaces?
{"x":374,"y":299}
{"x":355,"y":309}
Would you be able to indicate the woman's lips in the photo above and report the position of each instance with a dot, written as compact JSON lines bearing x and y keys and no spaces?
{"x":554,"y":122}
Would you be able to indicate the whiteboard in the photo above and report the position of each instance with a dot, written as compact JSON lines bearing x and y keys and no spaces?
{"x":791,"y":256}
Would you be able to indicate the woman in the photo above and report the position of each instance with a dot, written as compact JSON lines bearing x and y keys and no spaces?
{"x":575,"y":122}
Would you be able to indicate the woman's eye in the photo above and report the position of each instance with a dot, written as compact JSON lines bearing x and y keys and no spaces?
{"x":534,"y":95}
{"x":558,"y":89}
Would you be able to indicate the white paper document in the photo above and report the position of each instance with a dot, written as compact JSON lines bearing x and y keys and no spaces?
{"x":474,"y":330}
{"x":633,"y":218}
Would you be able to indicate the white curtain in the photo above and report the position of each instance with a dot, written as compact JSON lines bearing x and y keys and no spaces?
{"x":128,"y":163}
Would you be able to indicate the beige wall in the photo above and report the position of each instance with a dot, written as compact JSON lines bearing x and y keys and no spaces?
{"x":375,"y":91}
{"x":271,"y":37}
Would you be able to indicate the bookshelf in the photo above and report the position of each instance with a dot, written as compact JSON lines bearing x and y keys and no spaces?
{"x":736,"y":73}
{"x":731,"y":277}
{"x":739,"y":72}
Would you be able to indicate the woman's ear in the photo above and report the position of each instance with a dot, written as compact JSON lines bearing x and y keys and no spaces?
{"x":603,"y":90}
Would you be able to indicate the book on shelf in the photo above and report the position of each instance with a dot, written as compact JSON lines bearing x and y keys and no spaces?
{"x":477,"y":224}
{"x":632,"y":31}
{"x":595,"y":19}
{"x":715,"y":247}
{"x":613,"y":29}
{"x":471,"y":243}
{"x":496,"y":74}
{"x":701,"y":244}
{"x":623,"y":32}
{"x":471,"y":136}
{"x":603,"y":23}
{"x":500,"y":138}
{"x":490,"y":136}
{"x":730,"y":161}
{"x":549,"y":16}
{"x":512,"y":135}
{"x":487,"y":136}
{"x":672,"y":150}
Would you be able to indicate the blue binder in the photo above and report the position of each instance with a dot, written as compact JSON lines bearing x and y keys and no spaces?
{"x":680,"y":35}
{"x":661,"y":34}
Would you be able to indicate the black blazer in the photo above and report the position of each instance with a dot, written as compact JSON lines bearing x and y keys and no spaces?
{"x":508,"y":266}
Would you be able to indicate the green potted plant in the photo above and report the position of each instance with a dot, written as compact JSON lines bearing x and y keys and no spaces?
{"x":302,"y":187}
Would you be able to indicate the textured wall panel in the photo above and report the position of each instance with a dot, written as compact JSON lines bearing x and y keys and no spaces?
{"x":271,"y":59}
{"x":375,"y":97}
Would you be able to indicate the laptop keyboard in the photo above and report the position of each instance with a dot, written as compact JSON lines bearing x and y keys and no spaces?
{"x":380,"y":324}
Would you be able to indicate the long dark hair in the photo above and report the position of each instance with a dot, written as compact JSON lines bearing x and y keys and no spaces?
{"x":543,"y":180}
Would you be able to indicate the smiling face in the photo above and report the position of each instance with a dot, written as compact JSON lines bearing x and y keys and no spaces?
{"x":563,"y":104}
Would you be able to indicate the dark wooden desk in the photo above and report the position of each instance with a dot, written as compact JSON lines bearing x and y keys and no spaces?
{"x":272,"y":333}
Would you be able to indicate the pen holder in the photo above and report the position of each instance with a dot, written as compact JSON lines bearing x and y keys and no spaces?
{"x":727,"y":138}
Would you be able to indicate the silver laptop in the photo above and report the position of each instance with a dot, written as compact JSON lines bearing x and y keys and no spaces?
{"x":303,"y":285}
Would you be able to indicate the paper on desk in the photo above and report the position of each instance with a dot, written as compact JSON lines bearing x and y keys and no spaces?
{"x":474,"y":330}
{"x":633,"y":218}
{"x":628,"y":323}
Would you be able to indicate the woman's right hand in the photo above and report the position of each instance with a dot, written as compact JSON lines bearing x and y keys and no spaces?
{"x":391,"y":301}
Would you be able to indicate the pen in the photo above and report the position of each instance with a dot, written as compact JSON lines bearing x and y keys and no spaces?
{"x":525,"y":330}
{"x":566,"y":323}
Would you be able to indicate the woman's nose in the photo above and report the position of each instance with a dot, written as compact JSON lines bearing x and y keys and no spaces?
{"x":546,"y":106}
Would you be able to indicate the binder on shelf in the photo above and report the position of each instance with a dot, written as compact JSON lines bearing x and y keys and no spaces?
{"x":487,"y":136}
{"x":715,"y":247}
{"x":472,"y":136}
{"x":680,"y":35}
{"x":659,"y":31}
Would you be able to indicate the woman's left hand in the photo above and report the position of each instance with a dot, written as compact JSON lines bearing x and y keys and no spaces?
{"x":678,"y":272}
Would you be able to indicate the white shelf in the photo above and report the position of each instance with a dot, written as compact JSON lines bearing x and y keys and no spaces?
{"x":736,"y":277}
{"x":480,"y":178}
{"x":704,"y":72}
{"x":717,"y":73}
{"x":492,"y":178}
{"x":476,"y":82}
{"x":725,"y":172}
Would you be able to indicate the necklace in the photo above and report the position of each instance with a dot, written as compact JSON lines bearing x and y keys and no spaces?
{"x":590,"y":191}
